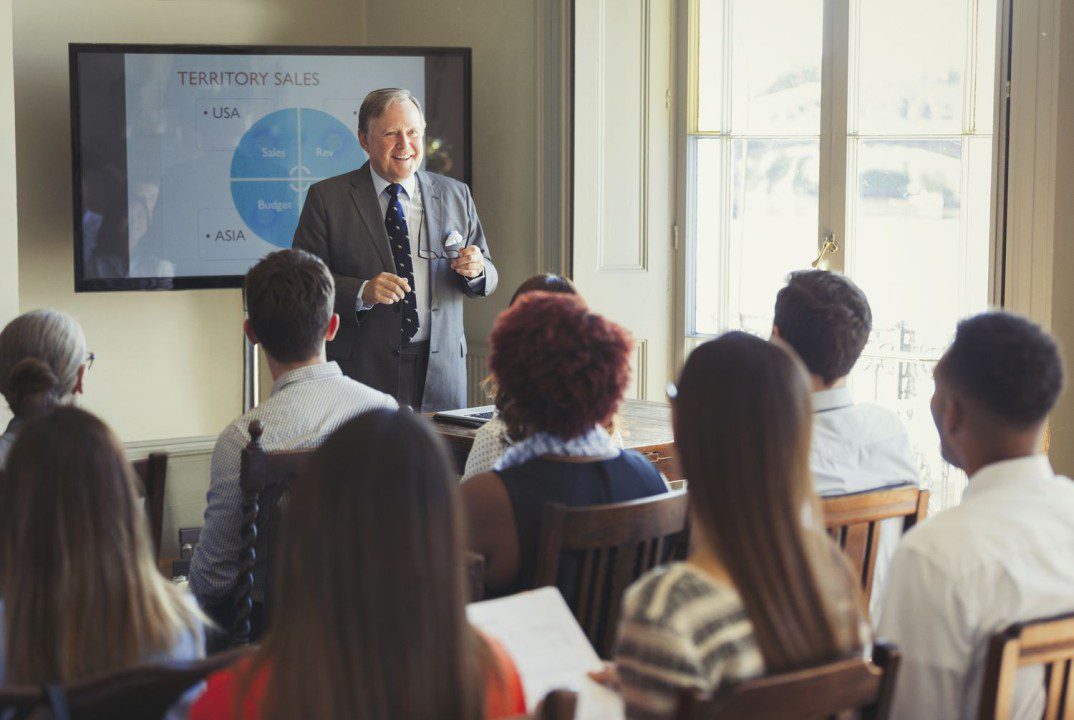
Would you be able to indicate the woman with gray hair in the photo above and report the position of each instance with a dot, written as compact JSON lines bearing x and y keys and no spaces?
{"x":42,"y":360}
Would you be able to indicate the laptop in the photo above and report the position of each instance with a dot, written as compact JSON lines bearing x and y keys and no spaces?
{"x":470,"y":417}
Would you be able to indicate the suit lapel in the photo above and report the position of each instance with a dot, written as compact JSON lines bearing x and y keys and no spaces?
{"x":434,"y":223}
{"x":364,"y":196}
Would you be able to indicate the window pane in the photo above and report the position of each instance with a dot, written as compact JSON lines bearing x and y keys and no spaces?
{"x":771,"y":91}
{"x":910,"y":64}
{"x":770,"y":229}
{"x":906,"y":250}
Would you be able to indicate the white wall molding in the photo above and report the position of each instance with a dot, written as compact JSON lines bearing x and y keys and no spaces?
{"x":175,"y":447}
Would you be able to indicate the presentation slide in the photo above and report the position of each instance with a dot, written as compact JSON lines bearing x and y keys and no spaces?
{"x":218,"y":152}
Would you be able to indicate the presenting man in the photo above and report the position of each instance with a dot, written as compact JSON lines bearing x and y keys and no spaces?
{"x":404,"y":246}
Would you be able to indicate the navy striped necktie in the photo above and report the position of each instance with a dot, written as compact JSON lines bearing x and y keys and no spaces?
{"x":399,"y":238}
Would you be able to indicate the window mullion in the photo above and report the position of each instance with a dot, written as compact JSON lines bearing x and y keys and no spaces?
{"x":832,"y":196}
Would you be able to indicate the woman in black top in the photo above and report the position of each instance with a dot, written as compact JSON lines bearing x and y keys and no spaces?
{"x":560,"y":371}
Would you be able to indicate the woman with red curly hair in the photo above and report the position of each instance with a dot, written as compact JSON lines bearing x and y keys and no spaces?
{"x":560,"y":371}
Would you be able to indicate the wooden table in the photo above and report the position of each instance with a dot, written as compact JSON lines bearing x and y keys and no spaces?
{"x":646,"y":428}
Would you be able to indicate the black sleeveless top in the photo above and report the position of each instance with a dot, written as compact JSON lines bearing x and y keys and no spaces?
{"x":538,"y":482}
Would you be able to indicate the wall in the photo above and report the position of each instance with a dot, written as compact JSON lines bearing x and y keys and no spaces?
{"x":9,"y":253}
{"x":169,"y":364}
{"x":505,"y":106}
{"x":1063,"y":260}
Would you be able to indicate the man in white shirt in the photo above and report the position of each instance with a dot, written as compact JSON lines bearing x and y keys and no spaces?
{"x":856,"y":447}
{"x":1003,"y":555}
{"x":289,"y":302}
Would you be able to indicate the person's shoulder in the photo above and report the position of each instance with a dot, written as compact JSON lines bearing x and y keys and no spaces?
{"x":444,"y":184}
{"x":365,"y":397}
{"x":336,"y":183}
{"x":641,"y":465}
{"x":669,"y":595}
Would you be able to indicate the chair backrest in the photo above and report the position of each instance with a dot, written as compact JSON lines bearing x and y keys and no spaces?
{"x":854,"y":522}
{"x":834,"y":690}
{"x":139,"y":693}
{"x":593,"y":553}
{"x":265,"y":479}
{"x":558,"y":705}
{"x":475,"y":575}
{"x":1048,"y":642}
{"x":153,"y":472}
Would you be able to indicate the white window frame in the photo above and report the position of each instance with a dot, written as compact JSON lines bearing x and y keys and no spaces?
{"x":1023,"y":161}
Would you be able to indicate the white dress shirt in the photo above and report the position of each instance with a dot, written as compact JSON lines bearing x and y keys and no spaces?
{"x":1002,"y":556}
{"x":859,"y":447}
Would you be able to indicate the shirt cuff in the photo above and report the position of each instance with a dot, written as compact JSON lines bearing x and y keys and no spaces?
{"x":476,"y":284}
{"x":360,"y":306}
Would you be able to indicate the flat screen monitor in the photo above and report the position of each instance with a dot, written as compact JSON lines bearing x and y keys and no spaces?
{"x":192,"y":162}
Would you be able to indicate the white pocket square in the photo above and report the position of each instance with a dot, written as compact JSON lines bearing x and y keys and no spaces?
{"x":453,"y":238}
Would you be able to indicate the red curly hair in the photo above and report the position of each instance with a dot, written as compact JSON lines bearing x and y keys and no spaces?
{"x":560,"y":368}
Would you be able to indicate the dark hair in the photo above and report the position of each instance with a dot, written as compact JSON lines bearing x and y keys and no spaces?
{"x":1008,"y":363}
{"x":559,"y":367}
{"x":378,"y":631}
{"x":744,"y":443}
{"x":547,"y":282}
{"x":289,"y":297}
{"x":68,"y":492}
{"x":826,"y":319}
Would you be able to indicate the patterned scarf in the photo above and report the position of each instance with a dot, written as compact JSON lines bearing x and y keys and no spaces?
{"x":593,"y":443}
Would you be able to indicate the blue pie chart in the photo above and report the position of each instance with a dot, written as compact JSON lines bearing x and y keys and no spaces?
{"x":278,"y":159}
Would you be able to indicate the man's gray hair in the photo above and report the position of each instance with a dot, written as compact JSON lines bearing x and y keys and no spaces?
{"x":54,"y":339}
{"x":378,"y":101}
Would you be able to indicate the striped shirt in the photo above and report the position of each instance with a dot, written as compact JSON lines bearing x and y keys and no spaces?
{"x":681,"y":629}
{"x":304,"y":407}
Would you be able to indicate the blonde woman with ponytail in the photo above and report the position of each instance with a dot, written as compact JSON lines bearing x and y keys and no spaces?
{"x":42,"y":361}
{"x":763,"y":589}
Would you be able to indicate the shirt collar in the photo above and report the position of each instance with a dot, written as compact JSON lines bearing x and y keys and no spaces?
{"x":1030,"y":468}
{"x":380,"y":184}
{"x":832,"y":399}
{"x":320,"y":371}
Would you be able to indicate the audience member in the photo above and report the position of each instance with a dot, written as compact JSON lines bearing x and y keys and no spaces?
{"x":42,"y":362}
{"x":289,"y":296}
{"x":492,"y":439}
{"x":81,"y":592}
{"x":369,"y":616}
{"x":561,"y":372}
{"x":856,"y":447}
{"x":763,"y":588}
{"x":1001,"y":556}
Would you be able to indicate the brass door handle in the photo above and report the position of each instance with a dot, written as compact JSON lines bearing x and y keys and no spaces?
{"x":829,"y":246}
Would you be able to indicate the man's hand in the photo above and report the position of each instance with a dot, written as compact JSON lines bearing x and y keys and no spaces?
{"x":385,"y":289}
{"x":470,"y":262}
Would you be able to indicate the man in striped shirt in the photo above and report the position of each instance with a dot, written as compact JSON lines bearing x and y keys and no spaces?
{"x":289,"y":298}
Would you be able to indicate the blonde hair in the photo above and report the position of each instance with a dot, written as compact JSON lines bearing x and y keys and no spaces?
{"x":82,"y":593}
{"x":40,"y":354}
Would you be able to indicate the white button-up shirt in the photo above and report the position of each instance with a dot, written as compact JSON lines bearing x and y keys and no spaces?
{"x":1002,"y":556}
{"x":859,"y":447}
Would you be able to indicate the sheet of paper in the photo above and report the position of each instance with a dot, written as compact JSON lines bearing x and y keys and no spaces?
{"x":549,"y":648}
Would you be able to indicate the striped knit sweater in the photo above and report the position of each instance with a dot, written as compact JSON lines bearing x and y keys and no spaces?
{"x":681,"y":629}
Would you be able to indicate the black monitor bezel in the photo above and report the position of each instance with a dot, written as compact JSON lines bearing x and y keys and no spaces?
{"x":212,"y":282}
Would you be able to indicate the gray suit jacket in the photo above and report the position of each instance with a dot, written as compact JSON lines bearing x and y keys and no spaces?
{"x":342,"y":224}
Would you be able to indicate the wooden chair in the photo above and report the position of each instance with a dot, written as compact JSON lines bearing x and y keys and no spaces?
{"x":835,"y":690}
{"x":141,"y":693}
{"x":1048,"y":642}
{"x":854,"y":522}
{"x":265,"y":479}
{"x":475,"y":574}
{"x":558,"y":705}
{"x":153,"y":472}
{"x":593,"y":553}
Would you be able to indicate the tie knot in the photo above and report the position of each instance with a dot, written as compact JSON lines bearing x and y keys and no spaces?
{"x":394,"y":189}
